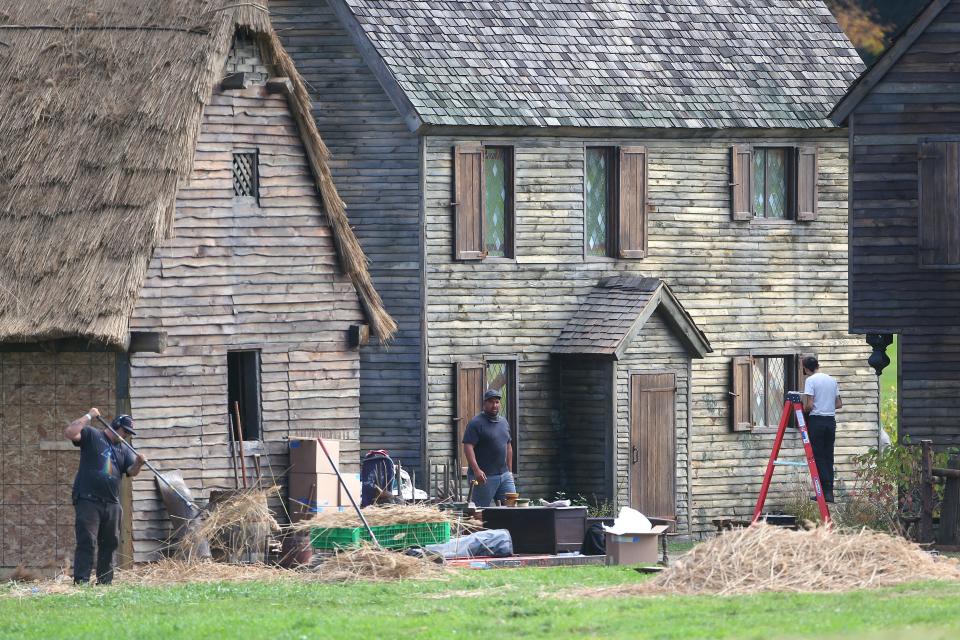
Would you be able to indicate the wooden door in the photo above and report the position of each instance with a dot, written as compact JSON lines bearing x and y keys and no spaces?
{"x":653,"y":451}
{"x":470,"y":379}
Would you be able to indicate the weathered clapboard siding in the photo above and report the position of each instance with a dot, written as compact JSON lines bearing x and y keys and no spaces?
{"x":917,"y":98}
{"x":761,"y":287}
{"x":242,"y":276}
{"x":376,"y":166}
{"x":655,"y":350}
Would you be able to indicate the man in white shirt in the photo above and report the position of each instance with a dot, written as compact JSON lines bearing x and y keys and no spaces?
{"x":821,"y":401}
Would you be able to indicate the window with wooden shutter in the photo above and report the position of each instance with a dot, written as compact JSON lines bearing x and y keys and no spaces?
{"x":741,"y":186}
{"x":806,"y":189}
{"x":599,"y":189}
{"x":502,"y":376}
{"x":740,"y":393}
{"x":468,"y":172}
{"x":770,"y":179}
{"x":498,"y":202}
{"x":632,"y":209}
{"x":469,"y":396}
{"x":939,"y":193}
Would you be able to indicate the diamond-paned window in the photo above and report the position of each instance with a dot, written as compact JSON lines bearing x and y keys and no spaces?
{"x":246,"y":174}
{"x":501,"y":376}
{"x":769,"y":387}
{"x":770,"y":173}
{"x":496,"y":168}
{"x":498,"y":375}
{"x":597,"y":203}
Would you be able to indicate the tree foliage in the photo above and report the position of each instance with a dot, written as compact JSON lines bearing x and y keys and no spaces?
{"x":861,"y":22}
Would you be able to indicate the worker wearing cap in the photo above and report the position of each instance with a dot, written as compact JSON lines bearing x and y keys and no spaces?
{"x":96,"y":492}
{"x":821,"y":401}
{"x":489,"y":451}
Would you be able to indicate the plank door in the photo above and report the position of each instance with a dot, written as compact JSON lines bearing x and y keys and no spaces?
{"x":653,"y":451}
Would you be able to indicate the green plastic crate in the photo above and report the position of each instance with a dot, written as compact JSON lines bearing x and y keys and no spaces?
{"x":394,"y":536}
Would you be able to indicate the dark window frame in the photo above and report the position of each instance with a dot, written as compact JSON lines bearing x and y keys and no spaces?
{"x":509,"y":207}
{"x":613,"y":199}
{"x":790,"y":382}
{"x":244,"y":385}
{"x":789,"y":177}
{"x":513,"y":392}
{"x":254,"y":161}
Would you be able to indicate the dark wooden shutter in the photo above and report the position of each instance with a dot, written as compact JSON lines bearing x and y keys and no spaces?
{"x":468,"y":202}
{"x":806,"y":183}
{"x":632,"y":209}
{"x":653,"y":444}
{"x":801,"y":378}
{"x":741,"y":192}
{"x":939,"y":223}
{"x":741,"y":399}
{"x":470,"y":378}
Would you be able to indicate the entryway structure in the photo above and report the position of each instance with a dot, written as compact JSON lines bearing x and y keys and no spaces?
{"x":623,"y":378}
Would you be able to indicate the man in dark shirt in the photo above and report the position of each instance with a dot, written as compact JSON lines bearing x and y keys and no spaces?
{"x":96,"y":492}
{"x":489,"y":451}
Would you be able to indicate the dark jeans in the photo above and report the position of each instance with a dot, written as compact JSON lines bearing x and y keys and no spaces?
{"x":97,"y":525}
{"x":823,"y":433}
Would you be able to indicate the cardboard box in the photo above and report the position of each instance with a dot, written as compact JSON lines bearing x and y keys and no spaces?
{"x":352,"y":480}
{"x":306,"y":456}
{"x":308,"y":492}
{"x":634,"y":548}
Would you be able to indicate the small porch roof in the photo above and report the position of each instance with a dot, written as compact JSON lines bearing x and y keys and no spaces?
{"x":615,"y":312}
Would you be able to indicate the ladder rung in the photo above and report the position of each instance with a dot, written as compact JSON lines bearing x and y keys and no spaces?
{"x":789,"y":463}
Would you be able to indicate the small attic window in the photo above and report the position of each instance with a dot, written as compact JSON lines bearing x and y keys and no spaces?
{"x":246,"y":175}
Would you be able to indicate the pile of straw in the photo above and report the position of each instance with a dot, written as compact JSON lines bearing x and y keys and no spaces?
{"x":767,"y":558}
{"x":237,"y":526}
{"x":376,"y":516}
{"x":171,"y":572}
{"x":370,"y":563}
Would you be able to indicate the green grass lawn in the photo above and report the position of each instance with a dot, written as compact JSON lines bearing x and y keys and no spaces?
{"x":505,"y":603}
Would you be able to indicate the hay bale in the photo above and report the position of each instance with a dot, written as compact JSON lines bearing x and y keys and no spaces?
{"x":764,"y":558}
{"x":370,"y":563}
{"x":381,"y":515}
{"x":236,"y":526}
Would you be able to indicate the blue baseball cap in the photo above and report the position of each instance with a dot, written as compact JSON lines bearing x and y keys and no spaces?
{"x":491,"y":393}
{"x":124,"y":422}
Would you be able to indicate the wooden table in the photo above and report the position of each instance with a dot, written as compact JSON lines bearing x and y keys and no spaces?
{"x":539,"y":529}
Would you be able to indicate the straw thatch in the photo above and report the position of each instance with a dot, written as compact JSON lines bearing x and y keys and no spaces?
{"x":376,"y":516}
{"x":370,"y":563}
{"x":102,"y":106}
{"x":765,"y":558}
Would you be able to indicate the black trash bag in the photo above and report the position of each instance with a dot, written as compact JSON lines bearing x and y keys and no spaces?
{"x":594,"y":541}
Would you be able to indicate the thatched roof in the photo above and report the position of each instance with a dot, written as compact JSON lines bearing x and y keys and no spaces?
{"x":101,"y":109}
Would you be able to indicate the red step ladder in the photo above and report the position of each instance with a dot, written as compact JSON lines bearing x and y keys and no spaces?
{"x":792,"y":403}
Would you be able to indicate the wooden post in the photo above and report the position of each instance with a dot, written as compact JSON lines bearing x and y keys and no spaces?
{"x":926,"y":492}
{"x":949,"y":531}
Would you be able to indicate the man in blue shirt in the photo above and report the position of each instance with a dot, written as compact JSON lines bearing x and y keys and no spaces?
{"x":489,"y":451}
{"x":96,"y":492}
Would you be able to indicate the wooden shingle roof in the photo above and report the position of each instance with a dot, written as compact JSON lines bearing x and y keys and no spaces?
{"x":615,"y":312}
{"x":665,"y":63}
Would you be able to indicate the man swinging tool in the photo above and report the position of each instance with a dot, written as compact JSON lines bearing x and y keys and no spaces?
{"x":96,"y":492}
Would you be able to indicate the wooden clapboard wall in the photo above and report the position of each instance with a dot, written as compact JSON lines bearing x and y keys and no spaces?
{"x":751,"y":286}
{"x":376,"y":165}
{"x":242,"y":276}
{"x":655,"y":350}
{"x":904,"y":213}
